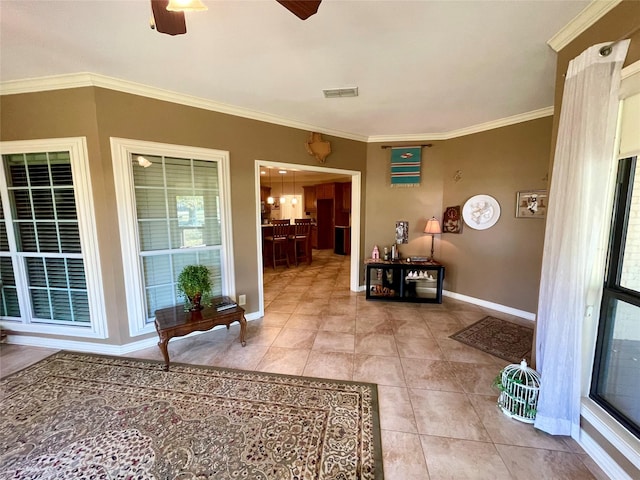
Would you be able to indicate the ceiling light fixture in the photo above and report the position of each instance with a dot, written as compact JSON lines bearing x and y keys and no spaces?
{"x":294,"y":200}
{"x":283,"y":199}
{"x":340,"y":92}
{"x":270,"y":199}
{"x":186,"y":6}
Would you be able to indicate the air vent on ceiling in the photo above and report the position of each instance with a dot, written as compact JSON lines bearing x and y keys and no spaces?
{"x":340,"y":92}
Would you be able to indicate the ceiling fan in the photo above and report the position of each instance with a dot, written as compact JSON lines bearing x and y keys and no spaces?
{"x":173,"y":23}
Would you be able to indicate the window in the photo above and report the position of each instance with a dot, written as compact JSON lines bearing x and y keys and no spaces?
{"x":616,"y":373}
{"x":173,"y":211}
{"x":48,"y":254}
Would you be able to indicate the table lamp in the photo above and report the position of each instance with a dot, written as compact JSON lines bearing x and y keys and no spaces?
{"x":432,"y":228}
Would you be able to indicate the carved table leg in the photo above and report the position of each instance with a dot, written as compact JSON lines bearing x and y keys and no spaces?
{"x":163,"y":344}
{"x":243,"y":330}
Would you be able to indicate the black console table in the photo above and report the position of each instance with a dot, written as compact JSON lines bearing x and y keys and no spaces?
{"x":404,"y":281}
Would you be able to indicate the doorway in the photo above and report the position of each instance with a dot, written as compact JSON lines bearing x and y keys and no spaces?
{"x":324,"y":174}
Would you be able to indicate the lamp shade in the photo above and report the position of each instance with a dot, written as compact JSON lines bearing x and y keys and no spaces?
{"x":433,"y":226}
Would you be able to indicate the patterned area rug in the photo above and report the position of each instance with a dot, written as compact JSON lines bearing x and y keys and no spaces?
{"x":89,"y":416}
{"x":500,"y":338}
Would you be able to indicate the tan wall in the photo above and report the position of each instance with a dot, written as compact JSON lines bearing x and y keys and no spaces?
{"x":71,"y":113}
{"x":500,"y":264}
{"x":386,"y":205}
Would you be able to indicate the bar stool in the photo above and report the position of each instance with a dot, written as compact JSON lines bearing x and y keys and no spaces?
{"x":300,"y":240}
{"x":279,"y":241}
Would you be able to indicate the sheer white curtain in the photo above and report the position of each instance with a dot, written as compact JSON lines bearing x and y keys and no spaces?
{"x":578,"y":218}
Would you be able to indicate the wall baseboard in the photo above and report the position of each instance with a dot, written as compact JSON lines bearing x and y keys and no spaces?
{"x":493,"y":306}
{"x":102,"y":348}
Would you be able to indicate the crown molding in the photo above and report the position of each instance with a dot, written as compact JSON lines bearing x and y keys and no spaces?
{"x":482,"y":127}
{"x":86,"y":79}
{"x":587,"y":17}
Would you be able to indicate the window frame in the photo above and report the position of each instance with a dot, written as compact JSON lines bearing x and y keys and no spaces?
{"x":121,"y":151}
{"x":78,"y":154}
{"x":613,"y":291}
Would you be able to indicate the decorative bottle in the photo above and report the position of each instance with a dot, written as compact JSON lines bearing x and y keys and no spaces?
{"x":376,"y":253}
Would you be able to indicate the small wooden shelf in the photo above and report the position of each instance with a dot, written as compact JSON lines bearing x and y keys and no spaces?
{"x":403,"y":281}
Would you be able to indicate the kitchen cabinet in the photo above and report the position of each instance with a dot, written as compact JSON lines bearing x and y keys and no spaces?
{"x":346,"y":197}
{"x":310,"y":199}
{"x":325,"y":191}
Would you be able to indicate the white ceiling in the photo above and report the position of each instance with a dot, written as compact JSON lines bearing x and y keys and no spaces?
{"x":422,"y":67}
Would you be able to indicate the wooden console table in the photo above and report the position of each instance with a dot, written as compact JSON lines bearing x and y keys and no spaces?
{"x":404,"y":281}
{"x":175,"y":322}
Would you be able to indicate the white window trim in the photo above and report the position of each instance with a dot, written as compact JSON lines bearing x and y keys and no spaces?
{"x":121,"y":150}
{"x":79,"y":156}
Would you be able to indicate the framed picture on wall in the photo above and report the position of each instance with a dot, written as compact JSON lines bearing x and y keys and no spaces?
{"x":532,"y":204}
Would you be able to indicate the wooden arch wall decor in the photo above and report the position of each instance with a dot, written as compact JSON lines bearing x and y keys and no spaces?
{"x":318,"y":148}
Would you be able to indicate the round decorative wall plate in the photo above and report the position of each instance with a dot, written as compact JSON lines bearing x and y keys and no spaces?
{"x":481,"y":212}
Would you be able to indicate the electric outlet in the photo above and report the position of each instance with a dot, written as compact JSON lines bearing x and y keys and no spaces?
{"x":242,"y":299}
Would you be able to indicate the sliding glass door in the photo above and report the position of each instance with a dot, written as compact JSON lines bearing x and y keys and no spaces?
{"x":617,"y":360}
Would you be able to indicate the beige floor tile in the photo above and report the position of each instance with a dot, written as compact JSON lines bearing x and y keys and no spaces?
{"x":505,"y":430}
{"x":304,"y":321}
{"x":259,"y":335}
{"x":402,"y":456}
{"x":275,"y":319}
{"x":237,"y":356}
{"x":455,"y":351}
{"x":337,"y":308}
{"x":294,"y":338}
{"x":338,"y":323}
{"x":290,"y":361}
{"x":476,"y":378}
{"x":526,"y":463}
{"x":368,"y":324}
{"x":450,"y":458}
{"x":447,"y":414}
{"x":334,"y":342}
{"x":430,"y":375}
{"x":376,"y":344}
{"x":335,"y":365}
{"x":418,"y":347}
{"x":411,"y":328}
{"x":282,"y":306}
{"x":396,"y":412}
{"x":312,"y":308}
{"x":16,"y":357}
{"x":378,"y":369}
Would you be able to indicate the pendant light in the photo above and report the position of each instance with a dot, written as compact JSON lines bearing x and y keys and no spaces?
{"x":283,"y":199}
{"x":294,"y":200}
{"x":270,"y":199}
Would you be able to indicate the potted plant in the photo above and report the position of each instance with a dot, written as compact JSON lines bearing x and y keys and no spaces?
{"x":194,"y":282}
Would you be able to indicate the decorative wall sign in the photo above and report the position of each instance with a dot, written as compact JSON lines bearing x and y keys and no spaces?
{"x":318,"y":148}
{"x":532,"y":204}
{"x":481,"y":212}
{"x":405,"y":166}
{"x":452,"y":220}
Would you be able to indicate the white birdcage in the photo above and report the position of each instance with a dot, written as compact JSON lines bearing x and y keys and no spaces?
{"x":519,"y":397}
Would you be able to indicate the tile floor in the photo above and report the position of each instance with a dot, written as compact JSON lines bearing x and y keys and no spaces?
{"x":438,"y":411}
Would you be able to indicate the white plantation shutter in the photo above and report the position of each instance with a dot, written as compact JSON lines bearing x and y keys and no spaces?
{"x":47,"y":238}
{"x":178,"y":217}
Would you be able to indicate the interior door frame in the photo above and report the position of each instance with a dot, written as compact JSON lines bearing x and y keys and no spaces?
{"x":356,"y":193}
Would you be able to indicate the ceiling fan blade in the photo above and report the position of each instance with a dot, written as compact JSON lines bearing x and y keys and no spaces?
{"x":171,"y":23}
{"x":302,"y":9}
